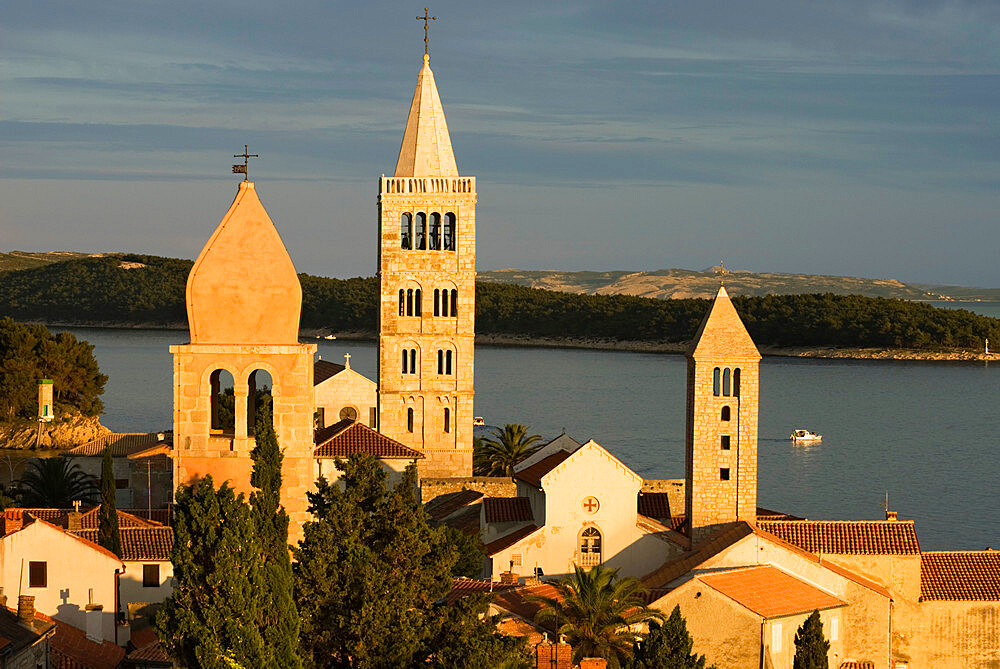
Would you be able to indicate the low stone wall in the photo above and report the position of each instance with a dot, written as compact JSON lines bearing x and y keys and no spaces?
{"x":490,"y":486}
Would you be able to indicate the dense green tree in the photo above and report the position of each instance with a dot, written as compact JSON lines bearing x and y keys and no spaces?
{"x":108,"y":532}
{"x":464,"y":635}
{"x":596,"y":611}
{"x":811,"y":647}
{"x":504,"y":448}
{"x":279,"y":619}
{"x":667,"y":646}
{"x":471,"y":552}
{"x":29,"y":353}
{"x":212,"y":617}
{"x":55,"y":483}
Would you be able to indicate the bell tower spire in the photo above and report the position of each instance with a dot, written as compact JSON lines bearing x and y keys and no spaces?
{"x":427,"y":288}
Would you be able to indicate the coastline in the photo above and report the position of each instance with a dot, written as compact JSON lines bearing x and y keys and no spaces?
{"x":817,"y":352}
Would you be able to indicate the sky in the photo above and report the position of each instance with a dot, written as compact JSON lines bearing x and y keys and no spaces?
{"x":857,"y":138}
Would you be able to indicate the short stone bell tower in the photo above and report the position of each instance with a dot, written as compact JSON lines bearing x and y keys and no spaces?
{"x":427,"y":284}
{"x":722,"y":392}
{"x":243,"y":303}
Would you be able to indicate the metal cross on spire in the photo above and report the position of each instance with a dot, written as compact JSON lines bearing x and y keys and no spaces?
{"x":722,"y":273}
{"x":425,"y":18}
{"x":242,"y":169}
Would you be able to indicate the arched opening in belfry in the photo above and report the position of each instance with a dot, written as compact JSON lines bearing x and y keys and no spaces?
{"x":259,"y":401}
{"x":406,"y":231}
{"x":726,"y":383}
{"x":736,"y":382}
{"x":435,"y":226}
{"x":223,"y":402}
{"x":421,"y":231}
{"x":454,"y":304}
{"x":449,"y":232}
{"x":717,"y":382}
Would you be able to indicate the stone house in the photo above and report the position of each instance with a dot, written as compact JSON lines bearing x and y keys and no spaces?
{"x":24,"y":638}
{"x":349,"y":437}
{"x":341,"y":393}
{"x":135,"y":466}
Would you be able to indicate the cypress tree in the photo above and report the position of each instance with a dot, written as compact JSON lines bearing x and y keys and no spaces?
{"x":667,"y":646}
{"x":811,"y":646}
{"x":108,"y":534}
{"x":279,"y":619}
{"x":211,"y":619}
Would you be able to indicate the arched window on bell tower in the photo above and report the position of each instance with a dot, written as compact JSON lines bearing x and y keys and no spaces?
{"x":421,"y":231}
{"x":406,"y":231}
{"x":223,"y":402}
{"x":259,"y":399}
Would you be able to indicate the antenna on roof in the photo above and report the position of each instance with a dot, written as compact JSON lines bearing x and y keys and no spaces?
{"x":242,"y":169}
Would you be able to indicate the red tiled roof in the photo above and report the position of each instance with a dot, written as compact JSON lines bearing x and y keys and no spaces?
{"x":465,"y":520}
{"x":521,"y":628}
{"x":322,"y":370}
{"x":682,"y":564}
{"x":766,"y":514}
{"x":847,"y":537}
{"x":509,"y":540}
{"x":535,"y":472}
{"x":140,"y":543}
{"x":517,"y":600}
{"x":89,"y":518}
{"x":30,"y":520}
{"x":508,"y":509}
{"x":769,"y":592}
{"x":857,"y":664}
{"x":960,"y":575}
{"x":463,"y":587}
{"x":348,"y":437}
{"x":120,"y":443}
{"x":443,"y":506}
{"x":147,"y":649}
{"x":654,"y":505}
{"x":71,"y":649}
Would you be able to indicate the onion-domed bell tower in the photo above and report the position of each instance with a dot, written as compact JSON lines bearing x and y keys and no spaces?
{"x":427,"y":284}
{"x":243,"y":304}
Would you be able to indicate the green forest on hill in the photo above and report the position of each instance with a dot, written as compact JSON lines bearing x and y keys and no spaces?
{"x":116,"y":290}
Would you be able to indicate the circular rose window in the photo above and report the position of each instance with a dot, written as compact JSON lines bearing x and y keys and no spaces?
{"x":590,"y":504}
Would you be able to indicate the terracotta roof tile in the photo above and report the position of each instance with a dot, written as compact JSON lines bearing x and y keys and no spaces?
{"x":516,"y":600}
{"x":960,"y":575}
{"x":766,"y":514}
{"x":848,"y":537}
{"x":521,"y":628}
{"x":535,"y":472}
{"x":509,"y":540}
{"x":654,"y":505}
{"x":30,"y":520}
{"x":857,"y":664}
{"x":465,"y":520}
{"x":674,"y":569}
{"x":769,"y":592}
{"x":120,"y":443}
{"x":140,"y":543}
{"x":71,"y":649}
{"x":348,"y":437}
{"x":89,"y":518}
{"x":508,"y":509}
{"x":443,"y":506}
{"x":322,"y":370}
{"x":463,"y":587}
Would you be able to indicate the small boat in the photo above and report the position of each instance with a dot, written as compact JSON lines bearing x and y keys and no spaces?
{"x":805,"y":435}
{"x":478,"y":420}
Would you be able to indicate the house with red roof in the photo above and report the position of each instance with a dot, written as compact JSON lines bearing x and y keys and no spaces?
{"x":342,"y":393}
{"x":348,"y":437}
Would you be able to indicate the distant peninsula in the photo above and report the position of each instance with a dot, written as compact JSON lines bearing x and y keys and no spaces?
{"x":787,"y":314}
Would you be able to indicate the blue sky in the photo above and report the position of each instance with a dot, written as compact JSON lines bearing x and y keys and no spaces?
{"x":854,"y":138}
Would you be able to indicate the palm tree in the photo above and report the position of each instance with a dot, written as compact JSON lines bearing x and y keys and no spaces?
{"x":597,"y":612}
{"x":55,"y":483}
{"x":498,"y":453}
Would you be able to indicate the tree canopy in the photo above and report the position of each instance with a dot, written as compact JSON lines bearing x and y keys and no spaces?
{"x":55,"y":483}
{"x":811,"y":647}
{"x":496,"y":454}
{"x":667,"y":646}
{"x":108,"y":532}
{"x":29,"y":353}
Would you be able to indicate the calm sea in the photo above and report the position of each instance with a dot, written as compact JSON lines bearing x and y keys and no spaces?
{"x":923,"y":432}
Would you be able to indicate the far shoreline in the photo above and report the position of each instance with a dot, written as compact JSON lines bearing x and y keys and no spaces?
{"x":595,"y":344}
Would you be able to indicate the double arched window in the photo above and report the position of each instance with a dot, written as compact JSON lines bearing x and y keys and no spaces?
{"x":409,"y":360}
{"x":726,"y":382}
{"x":445,"y":358}
{"x":422,"y":231}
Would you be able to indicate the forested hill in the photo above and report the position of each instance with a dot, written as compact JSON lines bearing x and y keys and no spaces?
{"x":142,"y":290}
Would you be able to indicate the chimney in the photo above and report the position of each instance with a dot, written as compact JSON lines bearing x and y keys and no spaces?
{"x":12,"y":521}
{"x":26,"y":609}
{"x":74,"y":519}
{"x":890,"y":515}
{"x":593,"y":663}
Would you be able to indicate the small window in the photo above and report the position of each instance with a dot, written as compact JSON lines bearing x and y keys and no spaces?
{"x":447,"y":419}
{"x":437,"y":303}
{"x":319,"y":418}
{"x":440,"y":361}
{"x":726,"y":384}
{"x":150,"y":575}
{"x":736,"y":382}
{"x":348,"y":413}
{"x":515,"y":560}
{"x":775,"y":637}
{"x":454,"y":303}
{"x":417,"y":302}
{"x":716,"y":382}
{"x":590,"y":547}
{"x":373,"y":418}
{"x":413,"y":361}
{"x":449,"y":232}
{"x":421,"y":220}
{"x":834,"y":628}
{"x":435,"y":244}
{"x":38,"y":574}
{"x":725,"y":413}
{"x":447,"y":362}
{"x":409,"y":302}
{"x":121,"y":484}
{"x":405,"y":232}
{"x":402,"y":302}
{"x":409,"y":420}
{"x":724,"y":474}
{"x":406,"y":360}
{"x":725,"y":442}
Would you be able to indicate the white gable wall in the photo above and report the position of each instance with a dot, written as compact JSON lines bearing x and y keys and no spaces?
{"x":132,"y":591}
{"x":74,"y":570}
{"x":346,"y":389}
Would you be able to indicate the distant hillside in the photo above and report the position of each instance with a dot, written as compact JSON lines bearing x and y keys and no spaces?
{"x":140,"y":290}
{"x":682,"y":284}
{"x":27,"y":260}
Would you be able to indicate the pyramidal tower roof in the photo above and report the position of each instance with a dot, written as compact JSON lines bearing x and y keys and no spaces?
{"x":722,"y":333}
{"x":426,"y":149}
{"x":243,"y":288}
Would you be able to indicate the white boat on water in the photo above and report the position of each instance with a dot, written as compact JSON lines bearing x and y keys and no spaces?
{"x":478,"y":420}
{"x":805,"y":436}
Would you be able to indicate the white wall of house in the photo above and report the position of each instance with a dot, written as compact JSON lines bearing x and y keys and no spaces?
{"x":76,"y":574}
{"x":133,"y":591}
